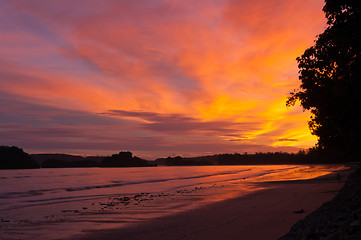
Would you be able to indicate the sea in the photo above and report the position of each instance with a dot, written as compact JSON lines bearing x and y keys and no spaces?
{"x":51,"y":186}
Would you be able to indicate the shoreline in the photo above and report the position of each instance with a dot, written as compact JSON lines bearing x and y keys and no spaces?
{"x":339,"y":218}
{"x":265,"y":214}
{"x":268,"y":204}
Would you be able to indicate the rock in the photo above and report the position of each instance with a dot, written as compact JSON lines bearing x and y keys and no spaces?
{"x":355,"y":223}
{"x":299,"y":211}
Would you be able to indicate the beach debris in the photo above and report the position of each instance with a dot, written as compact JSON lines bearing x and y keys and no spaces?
{"x":137,"y":196}
{"x":299,"y":211}
{"x":125,"y":199}
{"x":70,"y":210}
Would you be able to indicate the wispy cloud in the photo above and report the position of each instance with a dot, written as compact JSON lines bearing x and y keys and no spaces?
{"x":215,"y":71}
{"x":178,"y":125}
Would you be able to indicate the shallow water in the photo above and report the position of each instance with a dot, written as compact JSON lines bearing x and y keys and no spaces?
{"x":62,"y":203}
{"x":21,"y":188}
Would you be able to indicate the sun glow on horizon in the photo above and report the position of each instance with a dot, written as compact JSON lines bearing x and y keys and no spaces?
{"x":154,"y":77}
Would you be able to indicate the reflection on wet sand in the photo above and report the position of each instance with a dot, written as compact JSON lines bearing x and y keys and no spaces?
{"x":183,"y":192}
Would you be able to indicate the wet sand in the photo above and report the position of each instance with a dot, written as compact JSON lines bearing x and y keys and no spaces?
{"x":266,"y":214}
{"x":207,"y":212}
{"x":337,"y":219}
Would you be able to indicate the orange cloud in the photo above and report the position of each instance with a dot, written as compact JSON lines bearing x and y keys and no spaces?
{"x":226,"y":62}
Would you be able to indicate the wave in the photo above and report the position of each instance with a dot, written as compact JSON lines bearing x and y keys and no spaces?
{"x":61,"y":194}
{"x":36,"y":192}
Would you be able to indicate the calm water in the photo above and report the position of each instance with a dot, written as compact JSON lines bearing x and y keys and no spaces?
{"x":21,"y":188}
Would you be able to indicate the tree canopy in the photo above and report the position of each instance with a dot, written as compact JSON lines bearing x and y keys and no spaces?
{"x":15,"y":158}
{"x":330,"y":72}
{"x":124,"y":159}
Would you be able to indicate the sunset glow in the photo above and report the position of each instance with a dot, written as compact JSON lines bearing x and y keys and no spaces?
{"x":158,"y":78}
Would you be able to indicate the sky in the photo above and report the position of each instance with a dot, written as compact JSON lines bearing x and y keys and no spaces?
{"x":156,"y":77}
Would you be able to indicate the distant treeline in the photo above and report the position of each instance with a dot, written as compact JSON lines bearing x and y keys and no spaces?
{"x":124,"y":159}
{"x":66,"y":160}
{"x":121,"y":159}
{"x":14,"y":157}
{"x":259,"y":158}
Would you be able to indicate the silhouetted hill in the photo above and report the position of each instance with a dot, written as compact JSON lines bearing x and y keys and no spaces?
{"x":159,"y":161}
{"x":15,"y":158}
{"x":56,"y":160}
{"x":302,"y":157}
{"x":55,"y":163}
{"x":124,"y":159}
{"x":194,"y":161}
{"x":264,"y":158}
{"x":97,"y":159}
{"x":40,"y":158}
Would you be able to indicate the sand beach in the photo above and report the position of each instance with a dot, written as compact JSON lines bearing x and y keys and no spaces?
{"x":258,"y":207}
{"x":266,"y":214}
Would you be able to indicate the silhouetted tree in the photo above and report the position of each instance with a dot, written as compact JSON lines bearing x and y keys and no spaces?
{"x":330,"y":72}
{"x":193,"y":161}
{"x":15,"y":158}
{"x":261,"y":158}
{"x":124,"y":159}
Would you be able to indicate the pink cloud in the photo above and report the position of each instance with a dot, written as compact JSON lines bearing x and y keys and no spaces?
{"x":216,"y":69}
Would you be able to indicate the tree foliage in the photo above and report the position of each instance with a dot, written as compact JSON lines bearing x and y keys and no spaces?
{"x":124,"y":159}
{"x":330,"y":72}
{"x":15,"y":158}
